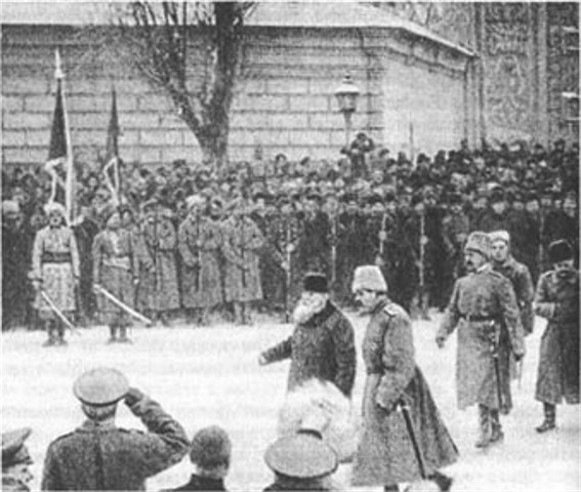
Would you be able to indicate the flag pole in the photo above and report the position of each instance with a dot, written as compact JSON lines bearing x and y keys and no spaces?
{"x":69,"y":165}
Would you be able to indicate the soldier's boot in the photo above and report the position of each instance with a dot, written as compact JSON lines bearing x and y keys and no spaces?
{"x":496,"y":434}
{"x":123,"y":338}
{"x":50,"y":329}
{"x":444,"y":482}
{"x":246,"y":314}
{"x":163,"y":318}
{"x":113,"y":334}
{"x":485,"y":428}
{"x":550,"y":421}
{"x":424,"y":311}
{"x":61,"y":335}
{"x":391,"y":488}
{"x":238,"y":313}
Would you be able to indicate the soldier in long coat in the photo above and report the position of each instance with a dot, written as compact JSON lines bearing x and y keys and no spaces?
{"x":55,"y":270}
{"x":483,"y":307}
{"x":115,"y":270}
{"x":385,"y":455}
{"x":557,"y":299}
{"x":518,"y":274}
{"x":101,"y":456}
{"x":242,"y":242}
{"x":322,"y":345}
{"x":158,"y":281}
{"x":200,"y":238}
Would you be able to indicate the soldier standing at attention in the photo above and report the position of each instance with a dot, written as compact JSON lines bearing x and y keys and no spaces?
{"x":557,"y":299}
{"x":55,"y":270}
{"x":518,"y":274}
{"x":483,"y":307}
{"x":101,"y":456}
{"x":115,"y":270}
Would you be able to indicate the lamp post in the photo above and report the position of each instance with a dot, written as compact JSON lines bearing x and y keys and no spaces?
{"x":347,"y":94}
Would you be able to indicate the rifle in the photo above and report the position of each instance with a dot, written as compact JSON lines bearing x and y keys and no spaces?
{"x":494,"y":335}
{"x":422,"y":260}
{"x":541,"y":238}
{"x":242,"y":245}
{"x":198,"y":245}
{"x":381,"y":233}
{"x":288,"y":272}
{"x":333,"y":250}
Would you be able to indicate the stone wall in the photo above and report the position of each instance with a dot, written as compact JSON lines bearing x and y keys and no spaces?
{"x":284,"y":101}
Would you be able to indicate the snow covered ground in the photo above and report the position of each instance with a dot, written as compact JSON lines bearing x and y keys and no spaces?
{"x":206,"y":376}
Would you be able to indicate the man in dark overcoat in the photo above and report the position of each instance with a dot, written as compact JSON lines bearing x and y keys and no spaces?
{"x":386,"y":455}
{"x":557,"y":299}
{"x":101,"y":456}
{"x":484,"y":309}
{"x":322,"y":345}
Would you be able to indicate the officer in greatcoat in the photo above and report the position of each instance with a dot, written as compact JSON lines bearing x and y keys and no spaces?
{"x":115,"y":270}
{"x":55,"y":270}
{"x":322,"y":345}
{"x":158,"y":289}
{"x":557,"y":299}
{"x":241,"y":245}
{"x":518,"y":274}
{"x":101,"y":456}
{"x":386,"y":454}
{"x":15,"y":461}
{"x":200,"y":239}
{"x":484,"y":309}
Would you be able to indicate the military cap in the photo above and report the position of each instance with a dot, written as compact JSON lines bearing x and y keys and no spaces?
{"x":313,"y":195}
{"x":497,"y":195}
{"x":349,"y":197}
{"x":369,"y":277}
{"x":211,"y":447}
{"x":499,"y":236}
{"x":374,"y":199}
{"x":195,"y":201}
{"x":302,"y":455}
{"x":55,"y":207}
{"x":454,"y":199}
{"x":101,"y":386}
{"x":560,"y":251}
{"x":14,"y":452}
{"x":417,"y":198}
{"x":10,"y":206}
{"x":531,"y":196}
{"x":316,"y":282}
{"x":480,"y":242}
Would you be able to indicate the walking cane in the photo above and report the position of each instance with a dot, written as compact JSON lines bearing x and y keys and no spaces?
{"x":403,"y":406}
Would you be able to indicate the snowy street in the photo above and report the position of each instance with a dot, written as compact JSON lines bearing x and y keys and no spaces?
{"x":206,"y":376}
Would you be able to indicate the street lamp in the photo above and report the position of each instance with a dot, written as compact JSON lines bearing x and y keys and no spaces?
{"x":347,"y":94}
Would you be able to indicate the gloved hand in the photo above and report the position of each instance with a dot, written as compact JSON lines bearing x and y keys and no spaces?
{"x":133,"y":396}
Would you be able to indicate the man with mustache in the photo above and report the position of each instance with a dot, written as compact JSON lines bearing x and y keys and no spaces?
{"x":322,"y":345}
{"x":484,"y":308}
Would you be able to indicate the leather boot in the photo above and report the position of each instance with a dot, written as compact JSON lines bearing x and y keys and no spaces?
{"x":485,"y":428}
{"x":51,"y":334}
{"x":550,"y":421}
{"x":444,"y":482}
{"x":61,"y":336}
{"x":123,"y":338}
{"x":113,"y":336}
{"x":496,"y":434}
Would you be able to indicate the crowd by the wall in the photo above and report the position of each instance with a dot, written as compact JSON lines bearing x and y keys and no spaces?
{"x":242,"y":237}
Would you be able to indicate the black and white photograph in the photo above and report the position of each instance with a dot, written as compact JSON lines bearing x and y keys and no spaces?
{"x":290,"y":246}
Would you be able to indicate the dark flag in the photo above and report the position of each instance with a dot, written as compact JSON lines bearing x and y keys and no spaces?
{"x":60,"y":155}
{"x":112,"y":169}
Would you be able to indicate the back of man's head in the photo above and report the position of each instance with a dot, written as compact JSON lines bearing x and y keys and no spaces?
{"x":211,"y":449}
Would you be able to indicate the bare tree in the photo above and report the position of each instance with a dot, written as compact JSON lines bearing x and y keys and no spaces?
{"x":192,"y":51}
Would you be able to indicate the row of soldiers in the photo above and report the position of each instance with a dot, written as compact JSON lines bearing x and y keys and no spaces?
{"x":241,"y":252}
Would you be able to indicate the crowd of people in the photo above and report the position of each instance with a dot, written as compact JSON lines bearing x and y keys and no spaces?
{"x":201,"y":240}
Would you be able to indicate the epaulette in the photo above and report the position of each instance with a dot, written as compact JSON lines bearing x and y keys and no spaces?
{"x":391,"y":309}
{"x":64,"y":436}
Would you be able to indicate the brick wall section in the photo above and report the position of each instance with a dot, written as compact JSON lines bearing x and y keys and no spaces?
{"x":284,"y":102}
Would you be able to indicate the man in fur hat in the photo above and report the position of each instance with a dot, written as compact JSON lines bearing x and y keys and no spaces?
{"x":55,"y":269}
{"x":322,"y":344}
{"x":386,"y":455}
{"x":557,"y":299}
{"x":115,"y":270}
{"x":484,"y":309}
{"x":101,"y":456}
